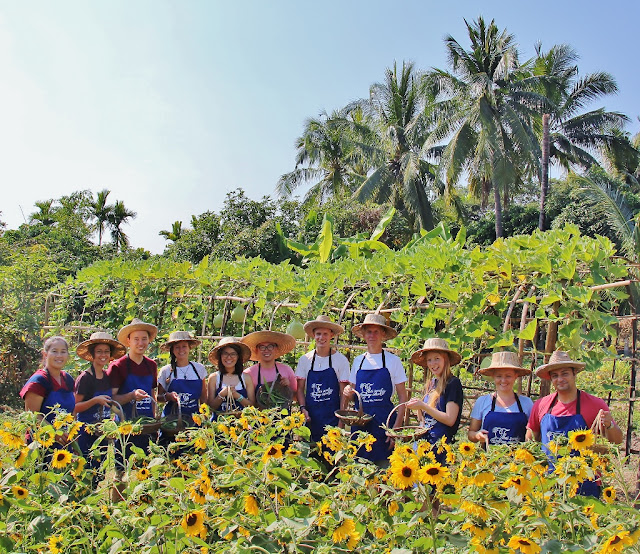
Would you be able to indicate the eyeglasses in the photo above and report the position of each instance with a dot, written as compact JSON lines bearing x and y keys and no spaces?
{"x":232,"y":354}
{"x":266,"y":347}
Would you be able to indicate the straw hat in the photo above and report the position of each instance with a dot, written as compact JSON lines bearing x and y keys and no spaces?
{"x":504,"y":360}
{"x":283,"y":341}
{"x":322,"y":322}
{"x":137,"y":325}
{"x":375,"y":319}
{"x":434,"y":344}
{"x":558,"y":359}
{"x":117,"y":348}
{"x":179,"y":336}
{"x":234,"y":342}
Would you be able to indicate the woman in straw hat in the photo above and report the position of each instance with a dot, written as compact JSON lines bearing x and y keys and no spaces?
{"x":501,"y":417}
{"x":93,"y":387}
{"x":375,"y":375}
{"x":229,"y":356}
{"x":442,"y":402}
{"x":322,"y":375}
{"x":266,"y":347}
{"x":182,"y":379}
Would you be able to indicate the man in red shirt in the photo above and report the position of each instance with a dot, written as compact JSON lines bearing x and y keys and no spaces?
{"x":568,"y":408}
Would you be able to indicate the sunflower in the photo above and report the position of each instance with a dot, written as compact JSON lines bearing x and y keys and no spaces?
{"x":467,"y":449}
{"x":251,"y":505}
{"x":244,"y":422}
{"x":73,"y":430}
{"x":617,"y":542}
{"x":271,"y":452}
{"x":297,"y":419}
{"x":522,"y":485}
{"x":143,"y":473}
{"x":474,"y":509}
{"x":197,"y":419}
{"x":291,"y":451}
{"x":609,"y":495}
{"x":483,"y":478}
{"x":79,"y":467}
{"x":200,"y":444}
{"x":22,"y":457}
{"x":125,"y":429}
{"x":368,"y":442}
{"x":380,"y":533}
{"x":477,"y":532}
{"x":55,"y":544}
{"x":193,"y":524}
{"x":61,"y":458}
{"x":424,"y":447}
{"x":403,"y":473}
{"x":581,"y":439}
{"x":523,"y":545}
{"x":12,"y":441}
{"x":403,"y":451}
{"x":354,"y":537}
{"x":204,"y":410}
{"x":433,"y":474}
{"x":19,"y":492}
{"x":393,"y":507}
{"x":523,"y":455}
{"x":344,"y":530}
{"x":46,"y":436}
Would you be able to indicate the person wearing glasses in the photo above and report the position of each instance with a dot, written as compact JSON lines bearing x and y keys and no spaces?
{"x":266,"y":347}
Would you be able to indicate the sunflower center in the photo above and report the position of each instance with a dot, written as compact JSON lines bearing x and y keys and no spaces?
{"x":616,"y":539}
{"x":192,"y":519}
{"x":523,"y":542}
{"x":581,"y":438}
{"x":407,"y":471}
{"x":272,"y":451}
{"x":60,"y":457}
{"x":433,"y":471}
{"x":517,"y":481}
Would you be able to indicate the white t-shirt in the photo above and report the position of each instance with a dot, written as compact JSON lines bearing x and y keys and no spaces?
{"x":483,"y":406}
{"x":186,"y":372}
{"x":339,"y":362}
{"x":374,"y":361}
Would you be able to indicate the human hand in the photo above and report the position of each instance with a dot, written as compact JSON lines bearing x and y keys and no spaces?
{"x":103,"y":400}
{"x":139,"y":394}
{"x":602,"y":422}
{"x":416,"y":404}
{"x":173,"y":396}
{"x":348,"y":391}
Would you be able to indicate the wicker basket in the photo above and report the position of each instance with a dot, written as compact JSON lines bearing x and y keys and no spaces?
{"x":265,"y":397}
{"x":406,"y":433}
{"x":175,"y":415}
{"x":115,"y":412}
{"x":354,"y":417}
{"x":147,"y":428}
{"x":232,"y":407}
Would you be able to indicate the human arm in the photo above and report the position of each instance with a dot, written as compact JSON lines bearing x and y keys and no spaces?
{"x":300,"y":397}
{"x":33,"y":402}
{"x":83,"y":405}
{"x":401,"y":390}
{"x":474,"y":433}
{"x":605,"y":426}
{"x":251,"y":389}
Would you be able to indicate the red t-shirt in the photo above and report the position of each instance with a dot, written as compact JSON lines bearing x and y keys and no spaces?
{"x":42,"y":384}
{"x":589,"y":407}
{"x":120,"y":368}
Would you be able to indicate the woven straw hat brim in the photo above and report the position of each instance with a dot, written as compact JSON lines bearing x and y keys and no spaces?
{"x":543,"y":371}
{"x":419,"y":356}
{"x":117,"y":348}
{"x":490,"y":370}
{"x":124,"y":333}
{"x":311,"y":326}
{"x":285,"y":342}
{"x":358,"y":330}
{"x":192,"y":343}
{"x":245,"y":351}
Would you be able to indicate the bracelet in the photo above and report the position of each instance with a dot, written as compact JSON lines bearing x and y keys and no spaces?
{"x":240,"y":398}
{"x":611,"y":425}
{"x":303,"y":407}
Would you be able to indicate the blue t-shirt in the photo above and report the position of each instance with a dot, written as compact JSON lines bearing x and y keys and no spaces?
{"x":452,"y":393}
{"x":483,"y":406}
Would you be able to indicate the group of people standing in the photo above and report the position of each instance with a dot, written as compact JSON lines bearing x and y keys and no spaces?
{"x":323,"y":383}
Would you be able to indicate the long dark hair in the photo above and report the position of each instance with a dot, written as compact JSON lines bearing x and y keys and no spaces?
{"x":239,"y":367}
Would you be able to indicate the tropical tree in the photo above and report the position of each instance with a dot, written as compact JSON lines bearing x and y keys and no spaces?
{"x":101,"y":211}
{"x":46,"y":214}
{"x":570,"y":136}
{"x":327,"y":157}
{"x":400,"y":168}
{"x":485,"y":107}
{"x":118,"y":217}
{"x":175,"y":233}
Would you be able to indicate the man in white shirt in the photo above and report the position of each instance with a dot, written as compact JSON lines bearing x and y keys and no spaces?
{"x":322,"y":376}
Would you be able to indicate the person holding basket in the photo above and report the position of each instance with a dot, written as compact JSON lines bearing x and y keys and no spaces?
{"x":375,"y":375}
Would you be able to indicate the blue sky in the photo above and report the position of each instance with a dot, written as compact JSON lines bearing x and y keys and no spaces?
{"x":172,"y":104}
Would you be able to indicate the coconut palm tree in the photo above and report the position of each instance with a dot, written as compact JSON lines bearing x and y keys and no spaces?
{"x":175,"y":233}
{"x":485,"y":108}
{"x":45,"y":214}
{"x":119,"y":215}
{"x":570,"y":136}
{"x":401,"y":171}
{"x":101,"y":211}
{"x":326,"y":157}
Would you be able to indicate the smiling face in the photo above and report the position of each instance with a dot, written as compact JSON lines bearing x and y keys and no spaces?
{"x":138,"y":342}
{"x":374,"y":337}
{"x":267,"y":351}
{"x":229,"y":358}
{"x":101,"y":355}
{"x":504,"y":380}
{"x":436,"y":362}
{"x":322,"y":337}
{"x":563,"y":379}
{"x":181,"y":352}
{"x":56,"y":355}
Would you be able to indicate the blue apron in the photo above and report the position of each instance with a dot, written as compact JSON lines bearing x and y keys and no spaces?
{"x":505,"y":427}
{"x":437,"y":430}
{"x":95,"y":414}
{"x":376,"y":389}
{"x":552,"y":426}
{"x":131,"y":383}
{"x":189,"y":391}
{"x":322,"y":398}
{"x":63,"y":396}
{"x":242,"y":391}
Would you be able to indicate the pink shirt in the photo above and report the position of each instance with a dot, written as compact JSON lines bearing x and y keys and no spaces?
{"x":269,"y":375}
{"x":589,"y":407}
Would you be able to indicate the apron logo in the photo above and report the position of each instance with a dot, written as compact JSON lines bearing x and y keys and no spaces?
{"x":319,"y":394}
{"x":369,"y":394}
{"x":501,"y":436}
{"x":551,"y":435}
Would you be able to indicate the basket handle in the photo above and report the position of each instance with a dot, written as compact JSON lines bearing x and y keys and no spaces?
{"x":179,"y":404}
{"x":360,"y":409}
{"x":118,"y":407}
{"x":394,"y":409}
{"x":230,"y":404}
{"x":134,"y":409}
